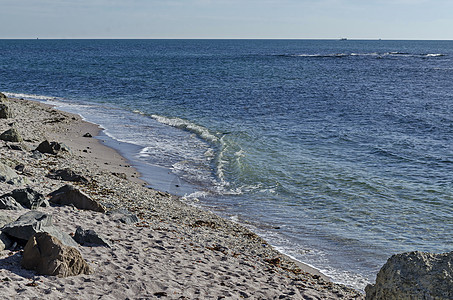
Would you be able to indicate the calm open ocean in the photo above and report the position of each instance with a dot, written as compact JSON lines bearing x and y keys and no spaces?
{"x":340,"y":153}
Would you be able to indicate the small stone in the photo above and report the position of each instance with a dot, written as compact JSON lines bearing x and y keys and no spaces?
{"x":90,"y":237}
{"x":88,"y":135}
{"x":66,"y":175}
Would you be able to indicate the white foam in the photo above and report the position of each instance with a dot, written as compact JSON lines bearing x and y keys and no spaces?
{"x":187,"y":125}
{"x":29,"y":96}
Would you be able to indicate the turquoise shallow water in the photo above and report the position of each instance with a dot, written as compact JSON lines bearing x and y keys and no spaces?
{"x":339,"y":153}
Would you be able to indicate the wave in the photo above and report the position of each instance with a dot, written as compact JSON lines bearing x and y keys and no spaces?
{"x":30,"y":96}
{"x":199,"y":130}
{"x":369,"y":54}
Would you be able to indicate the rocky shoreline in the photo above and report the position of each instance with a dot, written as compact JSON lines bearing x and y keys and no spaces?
{"x":174,"y":251}
{"x":76,"y":222}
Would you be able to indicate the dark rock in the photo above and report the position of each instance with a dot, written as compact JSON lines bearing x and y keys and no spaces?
{"x":46,"y":255}
{"x":123,"y":216}
{"x":68,"y":195}
{"x":18,"y":147}
{"x":9,"y":203}
{"x":87,"y":135}
{"x":11,"y":135}
{"x":5,"y":112}
{"x":414,"y":275}
{"x":66,"y":175}
{"x":33,"y":222}
{"x":5,"y":242}
{"x":90,"y":237}
{"x":52,"y":147}
{"x":19,"y":167}
{"x":3,"y":98}
{"x":28,"y":197}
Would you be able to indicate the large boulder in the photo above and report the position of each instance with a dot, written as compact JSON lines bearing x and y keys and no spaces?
{"x":9,"y":203}
{"x":414,"y":275}
{"x":11,"y":135}
{"x":33,"y":222}
{"x":9,"y":176}
{"x":69,"y":195}
{"x":90,"y":237}
{"x":28,"y":197}
{"x":52,"y":147}
{"x":46,"y":255}
{"x":5,"y":218}
{"x":66,"y":175}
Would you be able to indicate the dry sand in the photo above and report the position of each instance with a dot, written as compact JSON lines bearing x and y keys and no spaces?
{"x":176,"y":251}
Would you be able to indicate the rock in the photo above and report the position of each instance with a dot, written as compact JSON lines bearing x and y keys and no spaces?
{"x":3,"y":98}
{"x":123,"y":215}
{"x":9,"y":176}
{"x":36,"y":154}
{"x":5,"y":112}
{"x":414,"y":275}
{"x":68,"y":195}
{"x":66,"y":175}
{"x":11,"y":135}
{"x":9,"y":203}
{"x":33,"y":222}
{"x":90,"y":237}
{"x":5,"y":219}
{"x":87,"y":135}
{"x":52,"y":147}
{"x":18,"y":147}
{"x":46,"y":255}
{"x":28,"y":197}
{"x":5,"y":242}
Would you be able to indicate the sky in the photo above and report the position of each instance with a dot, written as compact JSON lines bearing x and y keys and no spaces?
{"x":241,"y":19}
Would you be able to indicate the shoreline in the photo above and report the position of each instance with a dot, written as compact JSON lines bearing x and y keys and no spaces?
{"x":118,"y":184}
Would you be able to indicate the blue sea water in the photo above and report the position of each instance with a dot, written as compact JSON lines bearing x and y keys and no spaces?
{"x":340,"y":153}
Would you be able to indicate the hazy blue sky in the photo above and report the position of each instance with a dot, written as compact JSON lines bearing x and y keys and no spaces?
{"x":386,"y":19}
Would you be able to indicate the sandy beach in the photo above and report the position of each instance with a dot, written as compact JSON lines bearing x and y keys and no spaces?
{"x":175,"y":251}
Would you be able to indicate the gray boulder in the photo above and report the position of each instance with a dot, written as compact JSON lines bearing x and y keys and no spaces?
{"x":53,"y":148}
{"x":47,"y":255}
{"x":90,"y":237}
{"x":69,"y":195}
{"x":28,"y":197}
{"x":11,"y":135}
{"x":123,"y":215}
{"x":9,"y":176}
{"x":414,"y":275}
{"x":5,"y":112}
{"x":66,"y":175}
{"x":9,"y":203}
{"x":33,"y":222}
{"x":5,"y":218}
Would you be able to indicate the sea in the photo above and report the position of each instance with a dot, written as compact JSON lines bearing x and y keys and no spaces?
{"x":338,"y":152}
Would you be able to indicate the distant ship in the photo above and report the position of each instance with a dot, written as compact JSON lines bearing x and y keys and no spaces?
{"x":343,"y":39}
